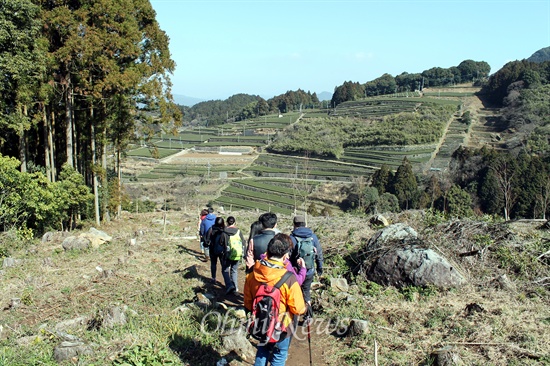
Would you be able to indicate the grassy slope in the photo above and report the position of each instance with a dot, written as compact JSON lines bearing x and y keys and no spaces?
{"x":162,"y":272}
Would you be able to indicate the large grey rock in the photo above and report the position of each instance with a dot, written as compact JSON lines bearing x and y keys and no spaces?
{"x":100,"y":234}
{"x":396,"y":233}
{"x":76,"y":242}
{"x":358,"y":327}
{"x":96,"y":237}
{"x":412,"y":266}
{"x":238,"y":343}
{"x":54,"y":236}
{"x":68,"y":350}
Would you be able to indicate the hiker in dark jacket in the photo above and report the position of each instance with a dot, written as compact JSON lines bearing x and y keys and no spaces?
{"x":229,"y":266}
{"x":215,"y":237}
{"x":258,"y":244}
{"x":301,"y":232}
{"x":205,"y":226}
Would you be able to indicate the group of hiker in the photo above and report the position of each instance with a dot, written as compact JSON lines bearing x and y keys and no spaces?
{"x":280,"y":269}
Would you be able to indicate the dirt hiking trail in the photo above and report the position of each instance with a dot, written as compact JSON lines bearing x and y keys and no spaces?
{"x":299,"y":348}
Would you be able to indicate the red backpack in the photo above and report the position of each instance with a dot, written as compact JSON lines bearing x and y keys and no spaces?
{"x":264,"y":324}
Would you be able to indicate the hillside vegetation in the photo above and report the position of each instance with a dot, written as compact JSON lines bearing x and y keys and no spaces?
{"x":329,"y":137}
{"x":83,"y":93}
{"x":157,"y":281}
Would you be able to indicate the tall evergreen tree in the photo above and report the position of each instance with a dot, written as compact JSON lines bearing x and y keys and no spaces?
{"x":22,"y":63}
{"x":405,"y":186}
{"x":382,"y":178}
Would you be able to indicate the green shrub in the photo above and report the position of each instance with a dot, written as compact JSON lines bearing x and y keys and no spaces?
{"x":434,"y":217}
{"x":147,"y":355}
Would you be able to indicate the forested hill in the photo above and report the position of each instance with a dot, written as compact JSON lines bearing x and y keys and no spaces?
{"x":243,"y":106}
{"x":466,"y":71}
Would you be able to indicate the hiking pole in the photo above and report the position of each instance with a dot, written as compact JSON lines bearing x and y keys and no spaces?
{"x":309,"y":341}
{"x":309,"y":319}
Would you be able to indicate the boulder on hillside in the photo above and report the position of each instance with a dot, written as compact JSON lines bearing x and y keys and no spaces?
{"x":390,"y":235}
{"x":396,"y":256}
{"x":96,"y":237}
{"x":54,"y":236}
{"x":101,"y":235}
{"x":414,"y":266}
{"x":69,"y":350}
{"x":237,"y":342}
{"x":76,"y":242}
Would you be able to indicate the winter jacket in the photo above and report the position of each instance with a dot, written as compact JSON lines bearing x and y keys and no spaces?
{"x":215,"y":240}
{"x":206,"y":224}
{"x":305,"y":232}
{"x":258,"y":246}
{"x":271,"y":271}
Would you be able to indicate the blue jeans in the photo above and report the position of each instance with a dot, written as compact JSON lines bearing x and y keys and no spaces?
{"x":277,"y":353}
{"x":229,"y":272}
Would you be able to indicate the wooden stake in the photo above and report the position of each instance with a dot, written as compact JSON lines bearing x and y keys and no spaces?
{"x":375,"y":353}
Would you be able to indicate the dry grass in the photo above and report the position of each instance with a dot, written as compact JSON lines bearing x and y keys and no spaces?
{"x":162,"y":272}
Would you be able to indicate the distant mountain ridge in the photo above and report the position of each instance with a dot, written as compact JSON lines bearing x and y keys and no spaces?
{"x":324,"y":96}
{"x":541,"y":55}
{"x":186,"y":101}
{"x":191,"y":101}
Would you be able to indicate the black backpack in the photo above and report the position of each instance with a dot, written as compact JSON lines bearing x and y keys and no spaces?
{"x":218,"y":242}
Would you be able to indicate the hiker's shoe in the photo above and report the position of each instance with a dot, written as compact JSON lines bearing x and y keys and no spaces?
{"x":230,"y":290}
{"x":213,"y":281}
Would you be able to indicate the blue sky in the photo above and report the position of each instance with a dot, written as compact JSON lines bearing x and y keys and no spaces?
{"x":267,"y":47}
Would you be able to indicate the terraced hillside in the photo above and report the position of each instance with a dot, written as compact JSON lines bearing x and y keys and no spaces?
{"x":292,"y":167}
{"x":229,"y":155}
{"x":376,"y":157}
{"x":375,"y":107}
{"x":281,"y":196}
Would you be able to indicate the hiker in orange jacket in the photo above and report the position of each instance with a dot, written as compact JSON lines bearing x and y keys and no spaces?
{"x":270,"y":271}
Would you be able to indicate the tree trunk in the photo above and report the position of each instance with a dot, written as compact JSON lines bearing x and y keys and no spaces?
{"x":105,"y":181}
{"x":22,"y":155}
{"x":119,"y":175}
{"x":69,"y":120}
{"x":47,"y":162}
{"x":23,"y":143}
{"x":51,"y":126}
{"x":75,"y":136}
{"x":94,"y":167}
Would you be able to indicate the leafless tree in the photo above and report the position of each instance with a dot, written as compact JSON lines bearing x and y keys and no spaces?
{"x":505,"y":174}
